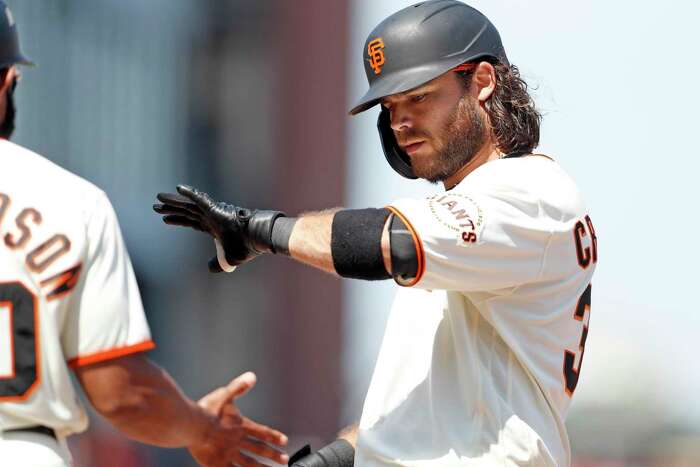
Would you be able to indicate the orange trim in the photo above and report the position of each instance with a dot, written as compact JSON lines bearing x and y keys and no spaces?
{"x":417,"y":241}
{"x":464,"y":67}
{"x":111,"y":354}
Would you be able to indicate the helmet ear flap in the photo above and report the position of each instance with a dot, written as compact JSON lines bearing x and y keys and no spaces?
{"x":398,"y":160}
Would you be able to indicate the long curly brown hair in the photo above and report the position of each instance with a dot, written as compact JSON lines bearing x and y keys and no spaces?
{"x":512,"y":114}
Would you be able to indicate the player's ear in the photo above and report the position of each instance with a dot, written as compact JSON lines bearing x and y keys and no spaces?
{"x":484,"y":79}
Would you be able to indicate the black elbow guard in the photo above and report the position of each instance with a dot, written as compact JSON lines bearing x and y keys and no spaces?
{"x":356,"y":243}
{"x":339,"y":453}
{"x":404,"y":252}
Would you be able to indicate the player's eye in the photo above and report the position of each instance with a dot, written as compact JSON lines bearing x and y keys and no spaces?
{"x":418,"y":97}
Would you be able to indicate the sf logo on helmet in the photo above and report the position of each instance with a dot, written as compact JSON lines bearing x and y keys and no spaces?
{"x":375,"y":50}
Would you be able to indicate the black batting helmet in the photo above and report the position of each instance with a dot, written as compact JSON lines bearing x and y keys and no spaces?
{"x":10,"y":52}
{"x":416,"y":45}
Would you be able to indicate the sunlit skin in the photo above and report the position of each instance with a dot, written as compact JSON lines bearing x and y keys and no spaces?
{"x":5,"y":85}
{"x":419,"y":119}
{"x":417,"y":116}
{"x":420,"y":116}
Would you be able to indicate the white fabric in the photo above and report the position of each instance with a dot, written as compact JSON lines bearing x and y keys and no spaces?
{"x":470,"y":371}
{"x":24,"y":449}
{"x":101,"y":317}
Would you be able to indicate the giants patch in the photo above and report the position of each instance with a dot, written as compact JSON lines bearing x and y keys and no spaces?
{"x":459,"y":213}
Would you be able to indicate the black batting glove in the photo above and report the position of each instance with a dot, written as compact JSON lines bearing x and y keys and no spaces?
{"x":242,"y":233}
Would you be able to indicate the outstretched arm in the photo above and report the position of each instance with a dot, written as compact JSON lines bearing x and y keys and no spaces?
{"x":142,"y":401}
{"x":360,"y":243}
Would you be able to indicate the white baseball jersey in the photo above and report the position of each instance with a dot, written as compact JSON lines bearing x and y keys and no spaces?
{"x":482,"y":352}
{"x":68,"y":296}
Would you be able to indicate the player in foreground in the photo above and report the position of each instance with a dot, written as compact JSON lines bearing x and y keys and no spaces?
{"x":69,"y":300}
{"x":483,"y":347}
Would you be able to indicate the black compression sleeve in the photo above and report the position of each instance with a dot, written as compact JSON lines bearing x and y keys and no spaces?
{"x":281,"y":232}
{"x":356,"y":243}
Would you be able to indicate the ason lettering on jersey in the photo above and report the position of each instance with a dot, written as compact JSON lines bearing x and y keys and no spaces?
{"x":19,"y":237}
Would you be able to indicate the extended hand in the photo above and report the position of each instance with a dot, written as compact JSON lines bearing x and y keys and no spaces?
{"x":232,"y":435}
{"x":242,"y":233}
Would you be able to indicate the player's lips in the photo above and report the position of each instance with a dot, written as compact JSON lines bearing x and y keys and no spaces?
{"x":413,"y":147}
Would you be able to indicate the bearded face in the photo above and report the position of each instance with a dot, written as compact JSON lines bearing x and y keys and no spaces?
{"x":440,"y":126}
{"x":455,"y":143}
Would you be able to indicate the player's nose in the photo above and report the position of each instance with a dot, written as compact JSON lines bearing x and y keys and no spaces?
{"x":400,"y":118}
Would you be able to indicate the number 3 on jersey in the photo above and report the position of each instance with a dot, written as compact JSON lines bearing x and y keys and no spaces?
{"x":571,"y":370}
{"x":20,"y":373}
{"x":585,"y":256}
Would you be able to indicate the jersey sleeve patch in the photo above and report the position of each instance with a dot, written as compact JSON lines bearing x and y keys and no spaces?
{"x":460,"y":214}
{"x":110,"y":354}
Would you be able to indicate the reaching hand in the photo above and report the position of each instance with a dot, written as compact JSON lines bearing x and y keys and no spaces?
{"x":242,"y":233}
{"x":233,"y":437}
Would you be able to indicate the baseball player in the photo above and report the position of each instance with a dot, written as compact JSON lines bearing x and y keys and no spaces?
{"x":485,"y":341}
{"x":69,"y":301}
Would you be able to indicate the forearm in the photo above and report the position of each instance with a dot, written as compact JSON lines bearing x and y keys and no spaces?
{"x":161,"y":415}
{"x":310,"y":240}
{"x":352,"y":243}
{"x":146,"y":405}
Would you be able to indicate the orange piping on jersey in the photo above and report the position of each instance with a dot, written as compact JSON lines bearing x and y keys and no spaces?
{"x":37,"y":348}
{"x":419,"y":246}
{"x":111,"y":354}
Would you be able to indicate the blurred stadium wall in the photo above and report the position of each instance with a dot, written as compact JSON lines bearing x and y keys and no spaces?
{"x":245,"y":99}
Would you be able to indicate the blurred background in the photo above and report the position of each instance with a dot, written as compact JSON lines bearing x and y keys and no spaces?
{"x":248,"y":100}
